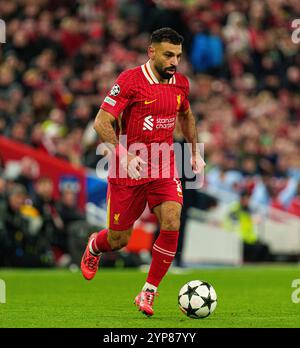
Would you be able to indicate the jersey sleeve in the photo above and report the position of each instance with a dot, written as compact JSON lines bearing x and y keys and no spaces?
{"x":185,"y":103}
{"x":119,"y":97}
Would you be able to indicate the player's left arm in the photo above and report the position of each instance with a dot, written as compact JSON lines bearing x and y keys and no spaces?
{"x":187,"y":123}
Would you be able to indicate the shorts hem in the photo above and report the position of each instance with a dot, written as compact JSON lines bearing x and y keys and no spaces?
{"x":120,"y":228}
{"x":165,"y":200}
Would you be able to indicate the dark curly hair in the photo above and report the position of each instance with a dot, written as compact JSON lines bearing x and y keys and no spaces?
{"x":166,"y":35}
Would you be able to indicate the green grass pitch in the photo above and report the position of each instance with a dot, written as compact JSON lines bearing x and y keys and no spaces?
{"x":258,"y":297}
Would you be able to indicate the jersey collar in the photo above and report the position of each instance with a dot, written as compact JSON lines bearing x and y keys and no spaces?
{"x":148,"y":73}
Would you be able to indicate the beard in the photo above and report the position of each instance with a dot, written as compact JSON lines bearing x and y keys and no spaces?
{"x":163,"y":72}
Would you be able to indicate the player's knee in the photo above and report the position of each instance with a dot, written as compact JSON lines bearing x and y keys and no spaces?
{"x":116,"y":243}
{"x":170,"y":223}
{"x":123,"y":242}
{"x":170,"y":217}
{"x":118,"y":240}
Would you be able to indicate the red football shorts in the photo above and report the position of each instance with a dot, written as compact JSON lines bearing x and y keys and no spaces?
{"x":125,"y":204}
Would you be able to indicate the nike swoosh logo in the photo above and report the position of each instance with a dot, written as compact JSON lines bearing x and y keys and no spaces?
{"x":150,"y":102}
{"x":164,"y":261}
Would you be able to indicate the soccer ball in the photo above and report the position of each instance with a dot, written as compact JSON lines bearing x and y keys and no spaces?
{"x":197,"y":299}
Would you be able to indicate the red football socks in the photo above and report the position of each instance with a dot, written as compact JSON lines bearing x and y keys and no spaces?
{"x":163,"y":252}
{"x":100,"y":243}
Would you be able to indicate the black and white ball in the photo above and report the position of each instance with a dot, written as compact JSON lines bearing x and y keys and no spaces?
{"x":197,"y":299}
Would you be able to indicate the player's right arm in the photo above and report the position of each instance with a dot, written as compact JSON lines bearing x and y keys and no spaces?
{"x":115,"y":102}
{"x":113,"y":105}
{"x":104,"y":126}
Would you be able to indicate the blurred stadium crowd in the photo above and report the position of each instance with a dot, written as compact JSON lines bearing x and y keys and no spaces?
{"x":62,"y":56}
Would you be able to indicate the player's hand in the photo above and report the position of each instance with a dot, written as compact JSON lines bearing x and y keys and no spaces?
{"x":134,"y":166}
{"x":197,"y":163}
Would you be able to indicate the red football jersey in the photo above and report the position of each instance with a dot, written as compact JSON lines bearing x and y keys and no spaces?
{"x":146,"y":111}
